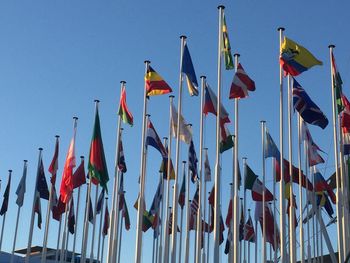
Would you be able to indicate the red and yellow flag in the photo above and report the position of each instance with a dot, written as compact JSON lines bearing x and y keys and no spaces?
{"x":155,"y":84}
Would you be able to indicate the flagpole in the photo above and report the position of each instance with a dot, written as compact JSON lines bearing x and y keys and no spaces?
{"x":86,"y":223}
{"x":113,"y":237}
{"x":307,"y":194}
{"x":244,"y":160}
{"x":208,"y":234}
{"x":241,"y":241}
{"x":204,"y":256}
{"x":263,"y":131}
{"x":249,"y":241}
{"x":47,"y":222}
{"x":93,"y":227}
{"x":181,"y":216}
{"x":153,"y":247}
{"x":282,"y":183}
{"x":236,"y":181}
{"x":66,"y":247}
{"x":63,"y":244}
{"x":103,"y":236}
{"x":313,"y":201}
{"x":58,"y":239}
{"x":175,"y":194}
{"x":256,"y":241}
{"x":217,"y":155}
{"x":100,"y":231}
{"x":200,"y":190}
{"x":4,"y":218}
{"x":166,"y":232}
{"x":274,"y":209}
{"x":159,"y":254}
{"x":29,"y":245}
{"x":188,"y":214}
{"x":76,"y":217}
{"x":195,"y":243}
{"x":138,"y":250}
{"x":337,"y":176}
{"x":301,"y":227}
{"x":17,"y":218}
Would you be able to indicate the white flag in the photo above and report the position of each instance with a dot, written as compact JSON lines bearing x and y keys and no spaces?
{"x":185,"y":131}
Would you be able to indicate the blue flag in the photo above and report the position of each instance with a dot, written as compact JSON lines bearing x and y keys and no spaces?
{"x":270,"y":148}
{"x":41,"y":184}
{"x":156,"y":200}
{"x":188,"y":70}
{"x":153,"y":140}
{"x":192,"y":162}
{"x":307,"y":109}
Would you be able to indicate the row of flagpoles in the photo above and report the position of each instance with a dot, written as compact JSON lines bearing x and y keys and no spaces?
{"x":163,"y":218}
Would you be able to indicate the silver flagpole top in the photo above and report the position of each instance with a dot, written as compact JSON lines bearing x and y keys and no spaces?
{"x":183,"y":161}
{"x":183,"y":37}
{"x":40,"y":149}
{"x":203,"y":77}
{"x":280,"y":29}
{"x":262,"y":121}
{"x":147,"y":62}
{"x":96,"y":100}
{"x":221,"y":7}
{"x":122,"y":82}
{"x":10,"y":171}
{"x":331,"y":46}
{"x":25,"y":161}
{"x":57,"y":136}
{"x":171,"y":96}
{"x":82,"y":157}
{"x":236,"y":55}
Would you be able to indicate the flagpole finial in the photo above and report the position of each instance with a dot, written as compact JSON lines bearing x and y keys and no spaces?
{"x":244,"y":158}
{"x":165,"y":138}
{"x":183,"y":161}
{"x":122,"y":82}
{"x":190,"y":124}
{"x":75,"y":118}
{"x":241,"y":198}
{"x":205,"y":148}
{"x":10,"y":171}
{"x":230,"y":184}
{"x":236,"y":55}
{"x":25,"y":161}
{"x":171,"y":96}
{"x":122,"y":129}
{"x":262,"y":121}
{"x":40,"y":149}
{"x":82,"y":157}
{"x":57,"y":136}
{"x":147,"y":62}
{"x":148,"y":115}
{"x":331,"y":46}
{"x":221,"y":7}
{"x":281,"y":29}
{"x":183,"y":37}
{"x":203,"y":77}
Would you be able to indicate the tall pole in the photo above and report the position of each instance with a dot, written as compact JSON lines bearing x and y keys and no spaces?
{"x":76,"y":218}
{"x":113,"y":237}
{"x":120,"y":237}
{"x":274,"y":209}
{"x":138,"y":250}
{"x":86,"y":224}
{"x":248,"y":241}
{"x":162,"y":227}
{"x":244,"y":210}
{"x":217,"y":186}
{"x":188,"y":215}
{"x":307,"y":203}
{"x":181,"y":217}
{"x":64,"y":237}
{"x":100,"y":231}
{"x":166,"y":232}
{"x":301,"y":226}
{"x":18,"y":214}
{"x":177,"y":159}
{"x":93,"y":227}
{"x":58,"y":239}
{"x":256,"y":241}
{"x":263,"y":131}
{"x":103,"y":236}
{"x":337,"y":176}
{"x":208,"y":239}
{"x":200,"y":189}
{"x":4,"y":217}
{"x":204,"y":256}
{"x":236,"y":181}
{"x":30,"y":237}
{"x":282,"y":183}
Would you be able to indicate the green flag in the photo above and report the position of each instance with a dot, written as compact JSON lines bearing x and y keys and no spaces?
{"x":226,"y":47}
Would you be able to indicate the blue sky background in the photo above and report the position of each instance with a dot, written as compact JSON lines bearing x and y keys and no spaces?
{"x":58,"y":56}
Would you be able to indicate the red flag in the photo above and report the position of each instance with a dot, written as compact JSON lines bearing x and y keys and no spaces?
{"x":54,"y":163}
{"x":241,"y":83}
{"x":66,"y":188}
{"x":79,"y":177}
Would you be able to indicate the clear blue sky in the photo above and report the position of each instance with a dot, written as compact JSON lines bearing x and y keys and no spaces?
{"x":58,"y":56}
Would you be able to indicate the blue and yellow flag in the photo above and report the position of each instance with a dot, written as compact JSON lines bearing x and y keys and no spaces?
{"x":296,"y":59}
{"x":188,"y":70}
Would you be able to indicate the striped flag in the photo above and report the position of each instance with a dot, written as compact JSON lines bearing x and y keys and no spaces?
{"x":210,"y":105}
{"x":188,"y":70}
{"x":153,"y":140}
{"x":241,"y":83}
{"x":155,"y":84}
{"x":54,"y":163}
{"x":192,"y":162}
{"x":123,"y":111}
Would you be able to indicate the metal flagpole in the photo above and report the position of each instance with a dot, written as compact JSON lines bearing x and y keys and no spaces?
{"x":235,"y":204}
{"x":200,"y":189}
{"x":256,"y":241}
{"x":313,"y":217}
{"x":113,"y":236}
{"x":188,"y":215}
{"x":153,"y":248}
{"x":181,"y":217}
{"x":274,"y":210}
{"x":336,"y":151}
{"x":138,"y":250}
{"x":217,"y":155}
{"x":166,"y":217}
{"x":244,"y":210}
{"x":4,"y":218}
{"x":93,"y":227}
{"x":86,"y":224}
{"x":30,"y":237}
{"x":177,"y":158}
{"x":208,"y":234}
{"x":66,"y":248}
{"x":58,"y":239}
{"x":301,"y":227}
{"x":17,"y":218}
{"x":263,"y":198}
{"x":195,"y":243}
{"x":327,"y":240}
{"x":160,"y":246}
{"x":241,"y":241}
{"x":248,"y":241}
{"x":204,"y":256}
{"x":47,"y":222}
{"x":282,"y":184}
{"x":292,"y":242}
{"x":76,"y":219}
{"x":307,"y":193}
{"x":63,"y":244}
{"x":100,"y":231}
{"x":117,"y":249}
{"x":103,"y":236}
{"x":157,"y":246}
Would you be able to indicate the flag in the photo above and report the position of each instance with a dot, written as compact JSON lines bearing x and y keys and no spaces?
{"x":66,"y":188}
{"x":228,"y":241}
{"x":229,"y":214}
{"x":100,"y":202}
{"x":320,"y":185}
{"x":106,"y":222}
{"x":54,"y":198}
{"x":71,"y":218}
{"x":21,"y":188}
{"x":211,"y":197}
{"x":185,"y":130}
{"x":155,"y":206}
{"x":41,"y":184}
{"x":79,"y":175}
{"x":337,"y":85}
{"x":346,"y":143}
{"x":192,"y":162}
{"x":155,"y":84}
{"x":241,"y":83}
{"x":312,"y":150}
{"x":5,"y":202}
{"x":125,"y":214}
{"x":322,"y":200}
{"x":91,"y":212}
{"x":255,"y":185}
{"x":153,"y":140}
{"x":226,"y":47}
{"x":241,"y":225}
{"x":249,"y":233}
{"x":188,"y":70}
{"x":296,"y":59}
{"x":210,"y":105}
{"x":345,"y":115}
{"x":121,"y":158}
{"x":294,"y":206}
{"x":54,"y":163}
{"x":270,"y":148}
{"x":194,"y":203}
{"x":226,"y":139}
{"x":58,"y":209}
{"x":207,"y":170}
{"x":123,"y":111}
{"x":307,"y":109}
{"x":97,"y":162}
{"x":182,"y":194}
{"x":37,"y":209}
